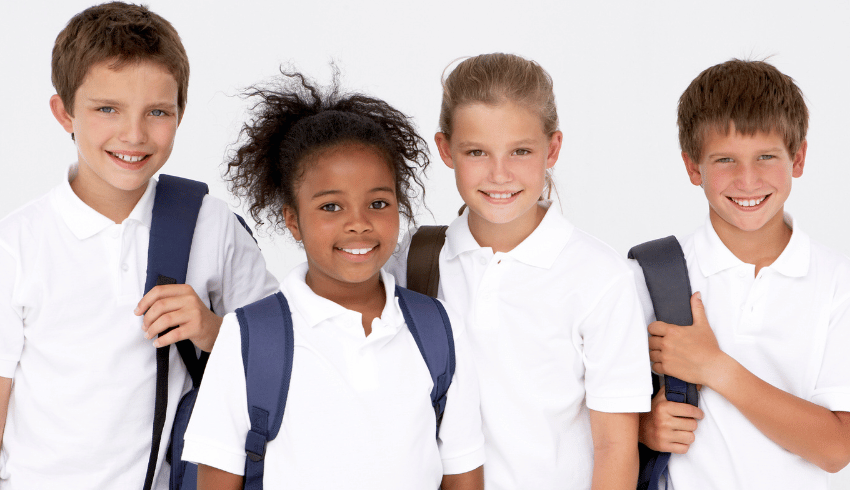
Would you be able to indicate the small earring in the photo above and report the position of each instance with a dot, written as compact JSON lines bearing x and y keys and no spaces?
{"x":72,"y":138}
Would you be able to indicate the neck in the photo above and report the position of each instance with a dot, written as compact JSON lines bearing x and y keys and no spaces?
{"x":758,"y":247}
{"x":113,"y":203}
{"x":504,"y":237}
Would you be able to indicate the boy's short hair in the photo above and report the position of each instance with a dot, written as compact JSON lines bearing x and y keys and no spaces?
{"x":752,"y":95}
{"x":119,"y":33}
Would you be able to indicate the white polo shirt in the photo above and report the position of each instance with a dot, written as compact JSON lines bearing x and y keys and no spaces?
{"x":358,"y":412}
{"x":555,"y":327}
{"x":790,"y":326}
{"x":81,"y":411}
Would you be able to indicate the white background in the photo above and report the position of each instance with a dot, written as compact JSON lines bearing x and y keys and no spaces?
{"x":618,"y":67}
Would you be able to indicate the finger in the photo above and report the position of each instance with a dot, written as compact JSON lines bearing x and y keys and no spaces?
{"x":162,"y":306}
{"x":169,"y":338}
{"x":657,"y":328}
{"x":654,"y":342}
{"x":682,"y":410}
{"x":168,"y":320}
{"x":157,"y":293}
{"x":698,"y":309}
{"x":678,"y":447}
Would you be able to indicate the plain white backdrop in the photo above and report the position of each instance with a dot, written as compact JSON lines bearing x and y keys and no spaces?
{"x":618,"y":67}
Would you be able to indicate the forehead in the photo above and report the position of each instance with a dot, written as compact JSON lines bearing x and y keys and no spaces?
{"x":506,"y":121}
{"x":349,"y":168}
{"x":715,"y":139}
{"x":144,"y":80}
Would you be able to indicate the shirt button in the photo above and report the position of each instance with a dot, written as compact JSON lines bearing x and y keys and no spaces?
{"x":116,"y":233}
{"x":125,"y":267}
{"x":741,"y":274}
{"x":483,"y":261}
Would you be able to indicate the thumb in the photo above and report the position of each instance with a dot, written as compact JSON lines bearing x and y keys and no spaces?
{"x":698,"y":309}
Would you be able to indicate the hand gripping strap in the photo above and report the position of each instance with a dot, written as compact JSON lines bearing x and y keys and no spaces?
{"x":267,"y":348}
{"x":666,"y":273}
{"x":423,"y":259}
{"x":424,"y":317}
{"x":175,"y":213}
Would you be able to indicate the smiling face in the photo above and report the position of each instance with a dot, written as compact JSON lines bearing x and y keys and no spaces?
{"x":346,"y":218}
{"x":500,"y":155}
{"x":746,"y":179}
{"x":124,"y":122}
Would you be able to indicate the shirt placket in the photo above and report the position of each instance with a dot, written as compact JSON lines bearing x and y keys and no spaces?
{"x":487,"y":297}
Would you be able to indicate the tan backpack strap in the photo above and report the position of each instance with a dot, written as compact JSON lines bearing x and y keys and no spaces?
{"x":423,"y":259}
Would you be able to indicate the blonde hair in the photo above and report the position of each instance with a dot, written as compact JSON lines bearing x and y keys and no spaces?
{"x":495,"y":78}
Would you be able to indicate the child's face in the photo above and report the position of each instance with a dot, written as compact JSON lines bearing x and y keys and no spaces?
{"x":347,"y":217}
{"x":746,"y":178}
{"x":124,"y":124}
{"x":500,"y":155}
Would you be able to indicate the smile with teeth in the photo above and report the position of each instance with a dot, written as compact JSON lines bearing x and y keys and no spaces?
{"x":500,"y":195}
{"x":748,"y":202}
{"x":128,"y":158}
{"x":357,"y":251}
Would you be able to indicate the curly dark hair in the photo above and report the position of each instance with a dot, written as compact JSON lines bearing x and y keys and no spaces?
{"x":296,"y":119}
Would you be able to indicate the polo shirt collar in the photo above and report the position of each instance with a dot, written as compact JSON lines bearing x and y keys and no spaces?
{"x":83,"y":221}
{"x":316,"y":309}
{"x":540,"y":249}
{"x":713,"y":256}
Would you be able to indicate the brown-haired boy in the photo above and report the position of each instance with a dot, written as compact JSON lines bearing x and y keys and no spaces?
{"x":77,"y":368}
{"x":771,"y":331}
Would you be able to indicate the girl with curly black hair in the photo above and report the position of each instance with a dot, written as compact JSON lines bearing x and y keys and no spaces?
{"x":336,"y":170}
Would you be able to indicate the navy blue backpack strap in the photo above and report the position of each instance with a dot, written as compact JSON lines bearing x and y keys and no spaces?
{"x":175,"y":212}
{"x":267,"y":349}
{"x":666,"y":273}
{"x":429,"y":324}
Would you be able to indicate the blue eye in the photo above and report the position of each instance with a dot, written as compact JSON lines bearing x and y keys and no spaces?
{"x":331,"y":207}
{"x":379,"y":205}
{"x":724,"y":160}
{"x":106,"y":110}
{"x":766,"y":157}
{"x":158,"y":113}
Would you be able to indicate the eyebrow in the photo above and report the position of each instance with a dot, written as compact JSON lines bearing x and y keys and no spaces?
{"x":329,"y":192}
{"x":525,"y":142}
{"x":775,"y":149}
{"x":111,"y":102}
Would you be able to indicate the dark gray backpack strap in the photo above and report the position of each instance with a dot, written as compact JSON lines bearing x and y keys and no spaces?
{"x":423,"y":259}
{"x":666,"y":274}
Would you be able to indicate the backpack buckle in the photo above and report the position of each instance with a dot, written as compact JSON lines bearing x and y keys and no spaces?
{"x":255,"y":446}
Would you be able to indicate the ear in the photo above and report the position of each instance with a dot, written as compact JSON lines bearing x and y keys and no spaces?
{"x":799,"y":160}
{"x":693,"y":169}
{"x":290,"y":217}
{"x":554,"y":148}
{"x":443,"y":147}
{"x":57,"y":107}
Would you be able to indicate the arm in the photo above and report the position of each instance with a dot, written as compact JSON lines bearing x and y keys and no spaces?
{"x":178,"y":304}
{"x":670,"y":426}
{"x":210,"y":478}
{"x":471,"y":480}
{"x":5,"y":393}
{"x":615,"y":453}
{"x":815,"y":433}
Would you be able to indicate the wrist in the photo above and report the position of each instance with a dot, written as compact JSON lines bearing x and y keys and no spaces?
{"x":722,"y":373}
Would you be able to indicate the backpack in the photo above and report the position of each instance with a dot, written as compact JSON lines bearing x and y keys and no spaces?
{"x":267,"y":351}
{"x":175,"y":212}
{"x":666,"y":275}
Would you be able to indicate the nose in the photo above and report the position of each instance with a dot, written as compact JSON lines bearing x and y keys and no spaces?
{"x":358,"y":221}
{"x":133,"y":130}
{"x":500,"y":171}
{"x":748,"y":176}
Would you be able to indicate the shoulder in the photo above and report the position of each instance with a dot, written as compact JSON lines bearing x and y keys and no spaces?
{"x":592,"y":255}
{"x":25,"y":224}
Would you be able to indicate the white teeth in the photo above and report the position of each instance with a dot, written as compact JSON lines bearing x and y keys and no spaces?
{"x":504,"y":195}
{"x":357,"y":251}
{"x":128,"y":158}
{"x":748,"y":202}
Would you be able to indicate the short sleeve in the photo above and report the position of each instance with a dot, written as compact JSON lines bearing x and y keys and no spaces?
{"x":11,"y":316}
{"x":616,"y":352}
{"x":833,"y":385}
{"x":243,"y":276}
{"x":397,"y":265}
{"x":219,"y":424}
{"x":642,"y":292}
{"x":461,"y":441}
